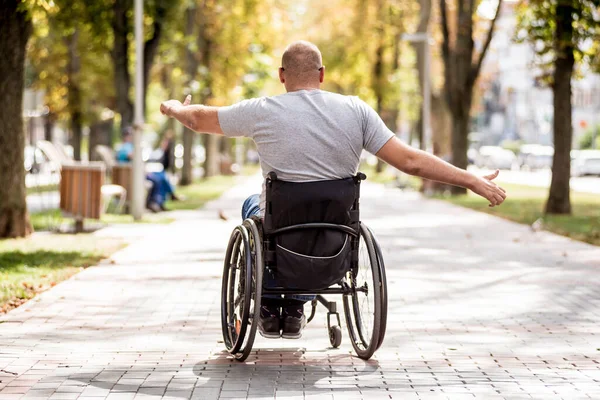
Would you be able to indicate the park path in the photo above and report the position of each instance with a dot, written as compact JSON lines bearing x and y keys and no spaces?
{"x":479,"y":308}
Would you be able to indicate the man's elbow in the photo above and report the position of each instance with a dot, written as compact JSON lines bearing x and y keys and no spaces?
{"x":411,"y":165}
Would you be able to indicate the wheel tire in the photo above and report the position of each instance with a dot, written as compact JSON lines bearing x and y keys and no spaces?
{"x":364,"y":326}
{"x":255,"y":246}
{"x":384,"y":291}
{"x":236,"y":295}
{"x":335,"y":336}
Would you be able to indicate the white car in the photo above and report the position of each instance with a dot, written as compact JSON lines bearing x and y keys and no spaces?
{"x":535,"y":156}
{"x":494,"y":157}
{"x":586,"y":162}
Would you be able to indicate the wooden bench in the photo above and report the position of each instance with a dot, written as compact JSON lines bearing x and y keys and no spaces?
{"x":81,"y":191}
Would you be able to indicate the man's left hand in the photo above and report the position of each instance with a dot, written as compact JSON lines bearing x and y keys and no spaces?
{"x":486,"y":188}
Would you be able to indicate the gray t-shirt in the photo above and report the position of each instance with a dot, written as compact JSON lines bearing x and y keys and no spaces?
{"x":307,"y":135}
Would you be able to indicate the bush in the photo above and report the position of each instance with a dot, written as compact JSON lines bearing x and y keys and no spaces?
{"x":585,"y":141}
{"x":512,"y":145}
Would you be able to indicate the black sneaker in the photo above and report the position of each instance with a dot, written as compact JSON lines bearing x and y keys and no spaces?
{"x":269,"y":322}
{"x":294,"y":321}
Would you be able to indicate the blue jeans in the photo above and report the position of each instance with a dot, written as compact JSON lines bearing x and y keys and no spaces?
{"x":251,"y":207}
{"x":161,"y":188}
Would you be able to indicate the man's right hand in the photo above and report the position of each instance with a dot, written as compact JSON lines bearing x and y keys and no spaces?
{"x":489,"y":190}
{"x":167,"y":107}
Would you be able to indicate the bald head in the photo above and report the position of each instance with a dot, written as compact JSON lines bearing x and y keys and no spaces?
{"x":302,"y":65}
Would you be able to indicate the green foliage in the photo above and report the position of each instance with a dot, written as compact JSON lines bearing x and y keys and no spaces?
{"x":363,"y":52}
{"x":512,"y":145}
{"x":585,"y":141}
{"x":244,"y":38}
{"x":48,"y":57}
{"x":536,"y":24}
{"x":53,"y":219}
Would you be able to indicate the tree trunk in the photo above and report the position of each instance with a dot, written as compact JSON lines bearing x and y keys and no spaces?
{"x":459,"y":141}
{"x":120,"y":59}
{"x":100,"y":134}
{"x":559,"y":201}
{"x":151,"y":46}
{"x":187,"y":170}
{"x":192,"y":67}
{"x":48,"y":126}
{"x":15,"y":29}
{"x":211,"y":164}
{"x":74,"y":95}
{"x":419,"y":48}
{"x":460,"y":74}
{"x":378,"y":70}
{"x":204,"y":44}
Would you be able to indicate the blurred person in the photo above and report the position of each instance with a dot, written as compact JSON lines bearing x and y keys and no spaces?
{"x":161,"y":187}
{"x":308,"y":134}
{"x":167,"y":145}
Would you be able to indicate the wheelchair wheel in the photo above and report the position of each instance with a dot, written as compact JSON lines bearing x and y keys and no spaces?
{"x":241,"y":289}
{"x":236,"y":290}
{"x":335,"y":336}
{"x":255,"y":244}
{"x":384,"y":293}
{"x":364,"y":307}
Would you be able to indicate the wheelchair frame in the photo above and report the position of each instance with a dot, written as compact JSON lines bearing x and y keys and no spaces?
{"x":247,"y":257}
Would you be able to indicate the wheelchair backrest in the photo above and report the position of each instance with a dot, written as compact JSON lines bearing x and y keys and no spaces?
{"x":295,"y":203}
{"x":311,"y":230}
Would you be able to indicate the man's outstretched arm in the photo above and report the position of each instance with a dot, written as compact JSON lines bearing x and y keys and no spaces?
{"x":426,"y":165}
{"x":198,"y":118}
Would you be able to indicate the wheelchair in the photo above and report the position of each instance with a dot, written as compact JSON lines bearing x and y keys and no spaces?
{"x":311,"y":242}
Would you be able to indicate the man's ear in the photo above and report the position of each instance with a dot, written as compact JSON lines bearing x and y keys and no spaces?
{"x":281,"y":77}
{"x":322,"y":74}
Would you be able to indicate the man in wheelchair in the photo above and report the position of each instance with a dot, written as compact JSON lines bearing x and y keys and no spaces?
{"x":308,"y":135}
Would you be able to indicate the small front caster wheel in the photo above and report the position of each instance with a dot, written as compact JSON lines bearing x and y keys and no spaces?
{"x":335,"y":336}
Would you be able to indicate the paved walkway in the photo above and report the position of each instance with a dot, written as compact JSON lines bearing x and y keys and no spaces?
{"x":479,"y":308}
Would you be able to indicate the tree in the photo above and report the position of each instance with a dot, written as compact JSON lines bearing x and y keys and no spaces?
{"x":75,"y":95}
{"x":15,"y":29}
{"x":561,"y":32}
{"x":71,"y":64}
{"x":461,"y":72}
{"x":158,"y":11}
{"x":222,"y":41}
{"x":361,"y":45}
{"x":389,"y":28}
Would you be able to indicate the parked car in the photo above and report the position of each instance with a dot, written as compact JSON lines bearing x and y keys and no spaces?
{"x":535,"y":156}
{"x":472,"y":155}
{"x":495,"y":157}
{"x":586,"y":162}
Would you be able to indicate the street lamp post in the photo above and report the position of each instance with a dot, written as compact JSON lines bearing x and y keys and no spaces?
{"x":137,"y":184}
{"x":423,"y":37}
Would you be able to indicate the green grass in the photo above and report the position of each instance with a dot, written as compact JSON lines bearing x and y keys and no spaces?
{"x":30,"y":266}
{"x":200,"y":192}
{"x":525,"y":204}
{"x":53,"y":219}
{"x":43,"y":188}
